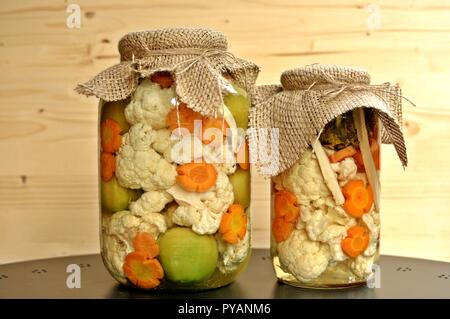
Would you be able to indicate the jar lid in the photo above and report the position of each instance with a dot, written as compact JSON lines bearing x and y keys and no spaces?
{"x":302,"y":78}
{"x":139,"y":43}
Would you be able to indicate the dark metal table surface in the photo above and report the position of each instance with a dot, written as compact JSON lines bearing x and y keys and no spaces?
{"x":400,"y":278}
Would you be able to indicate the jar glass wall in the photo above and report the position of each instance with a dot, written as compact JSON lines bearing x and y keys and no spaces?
{"x":174,"y":188}
{"x":325,"y":208}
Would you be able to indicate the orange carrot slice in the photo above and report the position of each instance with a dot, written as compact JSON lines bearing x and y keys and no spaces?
{"x":233,"y":225}
{"x":356,"y":241}
{"x":281,"y":229}
{"x":358,"y":198}
{"x":243,"y":157}
{"x":141,"y":271}
{"x":338,"y":156}
{"x":182,"y":117}
{"x":145,"y":243}
{"x":196,"y":177}
{"x":108,"y":166}
{"x":110,"y":135}
{"x":286,"y":206}
{"x":163,"y":78}
{"x":218,"y":128}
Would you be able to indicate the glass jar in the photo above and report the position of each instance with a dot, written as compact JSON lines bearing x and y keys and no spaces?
{"x":325,"y":208}
{"x":174,"y":188}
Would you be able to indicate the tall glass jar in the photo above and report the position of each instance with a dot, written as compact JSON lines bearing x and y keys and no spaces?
{"x":174,"y":165}
{"x":325,"y":210}
{"x":175,"y":189}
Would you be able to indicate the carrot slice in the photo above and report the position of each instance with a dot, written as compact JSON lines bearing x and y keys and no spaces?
{"x":358,"y":198}
{"x":145,"y":243}
{"x":182,"y":117}
{"x":286,"y":206}
{"x":375,"y":150}
{"x":356,"y":241}
{"x":108,"y":166}
{"x":163,"y":78}
{"x":196,"y":177}
{"x":141,"y":271}
{"x":218,"y":128}
{"x":110,"y":135}
{"x":243,"y":157}
{"x":281,"y":229}
{"x":338,"y":156}
{"x":233,"y":225}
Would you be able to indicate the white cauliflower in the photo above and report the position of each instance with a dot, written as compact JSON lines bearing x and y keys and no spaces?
{"x":329,"y":227}
{"x":120,"y":232}
{"x":333,"y":236}
{"x":202,"y":221}
{"x":232,"y":256}
{"x":361,"y":266}
{"x":345,"y":170}
{"x":303,"y":258}
{"x":305,"y":180}
{"x":150,"y":105}
{"x":372,"y":221}
{"x":162,"y":143}
{"x":138,"y":165}
{"x":203,"y":211}
{"x":150,"y":202}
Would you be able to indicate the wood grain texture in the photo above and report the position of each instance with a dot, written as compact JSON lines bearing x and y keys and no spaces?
{"x":48,"y":173}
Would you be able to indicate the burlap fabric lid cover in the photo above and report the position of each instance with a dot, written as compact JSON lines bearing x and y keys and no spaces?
{"x":196,"y":57}
{"x":312,"y":96}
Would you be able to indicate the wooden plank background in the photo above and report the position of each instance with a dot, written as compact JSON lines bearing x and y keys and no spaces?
{"x":48,"y":183}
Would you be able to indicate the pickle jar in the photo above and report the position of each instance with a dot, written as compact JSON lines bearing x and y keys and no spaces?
{"x":174,"y":169}
{"x":325,"y":194}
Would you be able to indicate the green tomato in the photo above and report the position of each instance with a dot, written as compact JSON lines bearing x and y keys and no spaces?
{"x":241,"y":187}
{"x":115,"y":197}
{"x":239,"y":105}
{"x":186,"y":256}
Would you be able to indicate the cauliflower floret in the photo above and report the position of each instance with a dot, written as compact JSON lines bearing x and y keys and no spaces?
{"x":304,"y":258}
{"x":328,"y":228}
{"x":150,"y":105}
{"x":345,"y":170}
{"x":203,"y":211}
{"x":317,"y":224}
{"x":138,"y":165}
{"x":202,"y":221}
{"x":150,"y":202}
{"x":372,"y":221}
{"x":333,"y":236}
{"x":163,"y":143}
{"x":120,"y":232}
{"x":232,"y":256}
{"x":361,"y":266}
{"x":305,"y":180}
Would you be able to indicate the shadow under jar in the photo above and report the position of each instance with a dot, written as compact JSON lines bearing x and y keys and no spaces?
{"x":316,"y":242}
{"x":175,"y":190}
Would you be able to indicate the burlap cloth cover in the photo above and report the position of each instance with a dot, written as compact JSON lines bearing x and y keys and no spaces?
{"x":196,"y":57}
{"x":309,"y":98}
